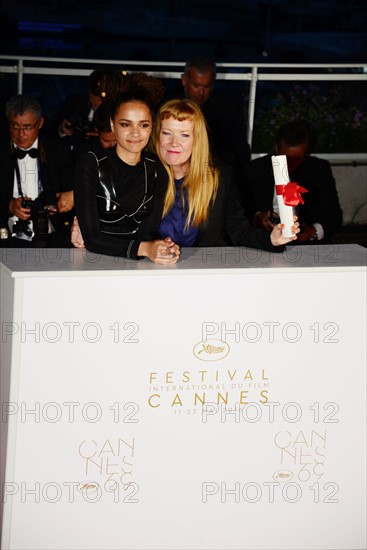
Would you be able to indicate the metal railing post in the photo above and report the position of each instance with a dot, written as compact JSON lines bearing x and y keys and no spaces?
{"x":20,"y":76}
{"x":251,"y":105}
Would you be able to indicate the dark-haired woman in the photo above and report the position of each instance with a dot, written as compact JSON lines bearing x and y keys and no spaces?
{"x":119,"y":195}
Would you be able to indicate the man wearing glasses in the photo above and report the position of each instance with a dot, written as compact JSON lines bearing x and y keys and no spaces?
{"x":36,"y":196}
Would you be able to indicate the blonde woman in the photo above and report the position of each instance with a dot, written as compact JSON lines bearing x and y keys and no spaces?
{"x":201,"y":205}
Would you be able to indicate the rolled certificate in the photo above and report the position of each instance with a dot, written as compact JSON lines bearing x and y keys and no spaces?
{"x":281,"y":178}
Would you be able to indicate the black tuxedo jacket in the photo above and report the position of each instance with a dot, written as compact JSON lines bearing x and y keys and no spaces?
{"x":56,"y":174}
{"x":227,"y":223}
{"x":321,"y":202}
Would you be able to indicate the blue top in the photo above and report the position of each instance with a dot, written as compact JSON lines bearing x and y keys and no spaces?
{"x":173,"y":224}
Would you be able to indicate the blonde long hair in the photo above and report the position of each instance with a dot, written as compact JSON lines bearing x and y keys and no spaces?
{"x":201,"y":180}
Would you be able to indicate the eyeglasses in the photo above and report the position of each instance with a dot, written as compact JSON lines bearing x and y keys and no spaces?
{"x":26,"y":128}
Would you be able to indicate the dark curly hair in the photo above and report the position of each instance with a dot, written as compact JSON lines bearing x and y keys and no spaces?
{"x":109,"y":84}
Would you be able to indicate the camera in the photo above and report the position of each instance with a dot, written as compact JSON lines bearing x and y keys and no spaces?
{"x":22,"y":230}
{"x":40,"y":210}
{"x":39,"y":205}
{"x":45,"y":202}
{"x":81,"y":126}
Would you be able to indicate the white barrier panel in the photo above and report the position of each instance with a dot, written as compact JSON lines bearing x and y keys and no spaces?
{"x":217,"y":404}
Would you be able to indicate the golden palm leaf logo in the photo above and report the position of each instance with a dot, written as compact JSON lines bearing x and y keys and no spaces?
{"x":88,"y":487}
{"x":211,"y":350}
{"x":282,"y":475}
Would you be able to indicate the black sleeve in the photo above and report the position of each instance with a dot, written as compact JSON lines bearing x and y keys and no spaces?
{"x":238,"y":228}
{"x":57,"y":169}
{"x":149,"y":228}
{"x":86,"y":182}
{"x":322,"y":203}
{"x":260,"y":180}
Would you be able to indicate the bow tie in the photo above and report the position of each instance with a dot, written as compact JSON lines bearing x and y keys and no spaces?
{"x":20,"y":153}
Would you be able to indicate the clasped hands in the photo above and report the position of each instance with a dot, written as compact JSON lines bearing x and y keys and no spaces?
{"x":161,"y":251}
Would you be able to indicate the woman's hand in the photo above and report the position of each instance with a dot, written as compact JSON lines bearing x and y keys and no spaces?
{"x":276,"y":236}
{"x":160,"y":251}
{"x":76,"y":235}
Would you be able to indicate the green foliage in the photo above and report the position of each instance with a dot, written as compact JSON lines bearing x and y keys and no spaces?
{"x":337,"y":128}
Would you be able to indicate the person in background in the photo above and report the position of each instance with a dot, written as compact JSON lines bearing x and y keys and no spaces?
{"x":224,"y":114}
{"x":36,"y":192}
{"x":198,"y":79}
{"x":77,"y":111}
{"x":105,"y":139}
{"x":320,"y":215}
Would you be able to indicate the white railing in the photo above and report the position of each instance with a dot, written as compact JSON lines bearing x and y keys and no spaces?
{"x":246,"y":72}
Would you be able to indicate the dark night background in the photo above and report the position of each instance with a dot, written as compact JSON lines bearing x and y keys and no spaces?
{"x":243,"y":31}
{"x":321,"y":31}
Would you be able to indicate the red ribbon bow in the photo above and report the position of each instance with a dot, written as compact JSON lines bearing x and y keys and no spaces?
{"x":291,"y":193}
